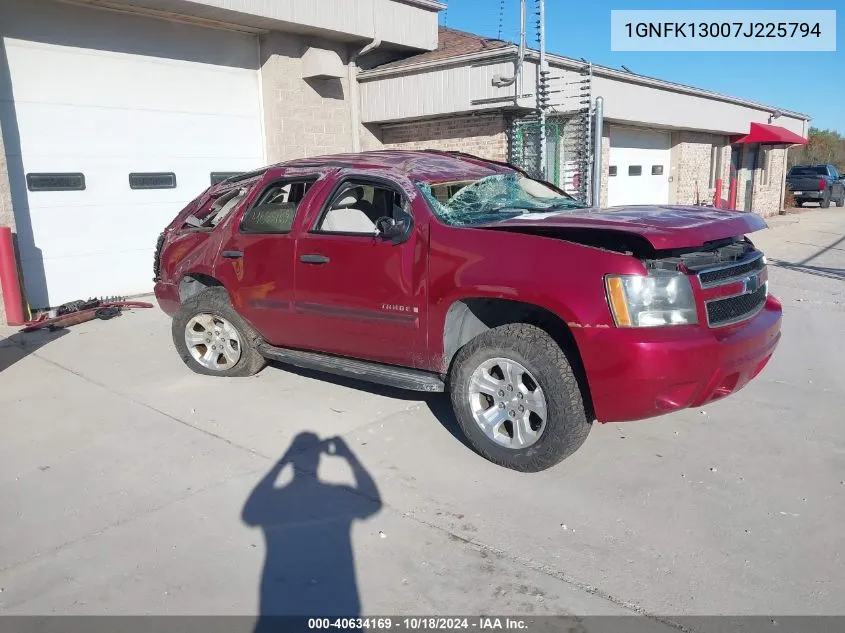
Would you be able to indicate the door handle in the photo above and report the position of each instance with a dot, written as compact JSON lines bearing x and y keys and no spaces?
{"x":314,"y":259}
{"x":232,"y":254}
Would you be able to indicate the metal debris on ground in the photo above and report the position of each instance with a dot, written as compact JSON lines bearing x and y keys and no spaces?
{"x":80,"y":311}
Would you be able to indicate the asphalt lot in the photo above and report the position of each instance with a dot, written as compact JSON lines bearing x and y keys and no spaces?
{"x":129,"y":485}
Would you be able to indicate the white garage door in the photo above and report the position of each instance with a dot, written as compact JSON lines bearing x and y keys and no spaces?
{"x":106,"y":95}
{"x":639,"y":167}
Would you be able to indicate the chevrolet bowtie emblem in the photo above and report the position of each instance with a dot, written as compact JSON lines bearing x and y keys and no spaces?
{"x":752,"y":284}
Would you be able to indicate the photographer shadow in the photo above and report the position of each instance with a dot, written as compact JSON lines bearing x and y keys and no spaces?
{"x":309,"y":568}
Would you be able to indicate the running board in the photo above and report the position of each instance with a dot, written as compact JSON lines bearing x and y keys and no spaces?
{"x":390,"y":375}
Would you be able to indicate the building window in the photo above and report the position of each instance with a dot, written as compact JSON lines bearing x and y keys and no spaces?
{"x":55,"y":182}
{"x":635,"y":170}
{"x":715,"y":164}
{"x":657,"y":170}
{"x":611,"y":171}
{"x":220,"y":176}
{"x":153,"y":180}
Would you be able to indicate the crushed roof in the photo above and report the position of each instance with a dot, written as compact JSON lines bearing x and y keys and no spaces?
{"x":426,"y":165}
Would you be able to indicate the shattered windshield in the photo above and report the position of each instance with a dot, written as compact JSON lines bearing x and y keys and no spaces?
{"x":493,"y":198}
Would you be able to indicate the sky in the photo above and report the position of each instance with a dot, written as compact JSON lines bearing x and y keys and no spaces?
{"x":809,"y":83}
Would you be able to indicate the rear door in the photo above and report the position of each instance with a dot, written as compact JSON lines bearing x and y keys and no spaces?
{"x":358,"y":294}
{"x":256,"y":262}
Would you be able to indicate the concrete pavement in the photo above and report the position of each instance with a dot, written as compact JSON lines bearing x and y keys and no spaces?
{"x":125,"y":480}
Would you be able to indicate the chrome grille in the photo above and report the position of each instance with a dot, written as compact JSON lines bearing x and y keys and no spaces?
{"x":737,"y":308}
{"x":717,"y":276}
{"x":741,"y":306}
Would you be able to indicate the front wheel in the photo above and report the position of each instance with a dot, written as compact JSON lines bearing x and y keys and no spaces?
{"x":516,"y":398}
{"x":213,"y":339}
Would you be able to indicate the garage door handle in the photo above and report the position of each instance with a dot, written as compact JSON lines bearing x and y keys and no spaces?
{"x":314,"y":259}
{"x":232,"y":254}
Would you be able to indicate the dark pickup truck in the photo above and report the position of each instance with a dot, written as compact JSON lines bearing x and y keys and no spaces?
{"x":816,"y":183}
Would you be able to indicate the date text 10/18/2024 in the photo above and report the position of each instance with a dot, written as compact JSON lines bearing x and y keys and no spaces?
{"x":481,"y":623}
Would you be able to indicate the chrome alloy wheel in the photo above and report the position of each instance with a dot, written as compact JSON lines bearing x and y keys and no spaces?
{"x":507,"y":403}
{"x":213,"y":342}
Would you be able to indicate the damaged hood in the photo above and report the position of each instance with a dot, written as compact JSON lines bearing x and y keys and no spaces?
{"x":664,"y":227}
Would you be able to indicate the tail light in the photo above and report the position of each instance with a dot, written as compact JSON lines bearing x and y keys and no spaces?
{"x":822,"y":184}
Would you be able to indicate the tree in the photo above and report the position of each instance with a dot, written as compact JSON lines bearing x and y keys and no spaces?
{"x":823,"y":146}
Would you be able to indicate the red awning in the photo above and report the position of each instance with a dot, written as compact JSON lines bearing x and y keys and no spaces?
{"x":770,"y":135}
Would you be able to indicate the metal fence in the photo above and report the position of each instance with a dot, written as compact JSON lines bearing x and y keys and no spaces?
{"x":568,"y":131}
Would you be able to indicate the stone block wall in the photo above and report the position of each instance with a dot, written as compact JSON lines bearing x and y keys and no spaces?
{"x":767,"y":198}
{"x":691,"y":164}
{"x":302,"y":117}
{"x":483,"y":135}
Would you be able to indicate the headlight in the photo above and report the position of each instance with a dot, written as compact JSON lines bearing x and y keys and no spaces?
{"x":660,"y":298}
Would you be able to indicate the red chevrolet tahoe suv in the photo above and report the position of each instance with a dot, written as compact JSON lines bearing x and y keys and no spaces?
{"x":441,"y":271}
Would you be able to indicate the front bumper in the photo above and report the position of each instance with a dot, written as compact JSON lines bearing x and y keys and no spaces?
{"x":167,"y":296}
{"x":641,"y":373}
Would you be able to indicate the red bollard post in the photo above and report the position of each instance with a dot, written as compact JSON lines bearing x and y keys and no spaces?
{"x":9,"y":280}
{"x":732,"y":195}
{"x":717,"y":197}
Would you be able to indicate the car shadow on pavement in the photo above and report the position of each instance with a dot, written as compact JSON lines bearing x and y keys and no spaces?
{"x":19,"y":345}
{"x":817,"y":271}
{"x":438,"y":404}
{"x":309,"y":566}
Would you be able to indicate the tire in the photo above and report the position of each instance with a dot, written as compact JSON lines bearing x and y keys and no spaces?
{"x":799,"y":203}
{"x":565,"y":427}
{"x":214,"y":304}
{"x":824,"y":203}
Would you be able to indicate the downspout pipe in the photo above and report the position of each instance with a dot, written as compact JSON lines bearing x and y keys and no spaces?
{"x":595,"y":194}
{"x":519,"y":88}
{"x":354,"y":99}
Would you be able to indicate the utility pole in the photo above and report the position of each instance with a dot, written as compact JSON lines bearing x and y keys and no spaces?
{"x":542,"y":85}
{"x":520,"y":88}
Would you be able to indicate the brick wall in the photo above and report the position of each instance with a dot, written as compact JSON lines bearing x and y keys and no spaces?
{"x":302,"y":117}
{"x":484,"y":135}
{"x":691,"y":162}
{"x":767,"y":196}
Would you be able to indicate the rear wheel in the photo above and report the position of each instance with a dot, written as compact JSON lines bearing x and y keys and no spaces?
{"x":799,"y":203}
{"x":824,"y":203}
{"x":516,"y":398}
{"x":213,"y":339}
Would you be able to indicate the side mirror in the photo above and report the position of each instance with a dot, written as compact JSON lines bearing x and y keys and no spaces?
{"x":392,"y":230}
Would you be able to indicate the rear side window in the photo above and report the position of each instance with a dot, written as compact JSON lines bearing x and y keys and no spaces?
{"x":809,"y":170}
{"x":217,"y":209}
{"x":275,"y":209}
